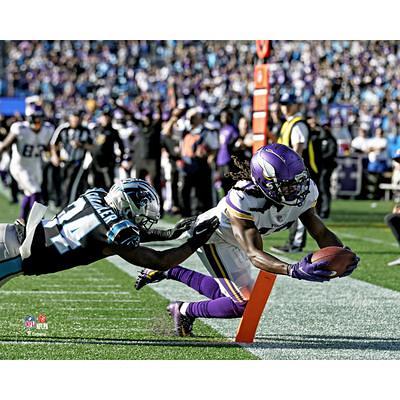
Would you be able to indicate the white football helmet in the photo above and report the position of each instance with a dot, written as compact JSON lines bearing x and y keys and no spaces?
{"x":135,"y":200}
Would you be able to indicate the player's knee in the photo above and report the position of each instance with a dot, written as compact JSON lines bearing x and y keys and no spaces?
{"x":239,"y":307}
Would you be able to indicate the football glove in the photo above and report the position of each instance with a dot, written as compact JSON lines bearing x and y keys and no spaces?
{"x":182,"y":226}
{"x":305,"y":269}
{"x":154,"y":235}
{"x":202,"y":232}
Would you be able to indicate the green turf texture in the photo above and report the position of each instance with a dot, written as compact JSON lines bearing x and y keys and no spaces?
{"x":121,"y":324}
{"x":125,"y":324}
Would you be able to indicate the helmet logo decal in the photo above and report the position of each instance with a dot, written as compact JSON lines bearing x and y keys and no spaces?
{"x":276,"y":154}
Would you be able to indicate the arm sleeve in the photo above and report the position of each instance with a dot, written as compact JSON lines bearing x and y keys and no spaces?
{"x":155,"y":235}
{"x":124,"y":234}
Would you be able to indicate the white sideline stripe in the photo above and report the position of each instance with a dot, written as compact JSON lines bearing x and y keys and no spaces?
{"x":43,"y":341}
{"x":112,"y":328}
{"x":24,"y":307}
{"x":113,"y":318}
{"x":8,"y":292}
{"x":368,"y":239}
{"x":82,"y":285}
{"x":88,"y":301}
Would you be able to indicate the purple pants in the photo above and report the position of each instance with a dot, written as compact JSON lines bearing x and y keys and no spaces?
{"x":219,"y":305}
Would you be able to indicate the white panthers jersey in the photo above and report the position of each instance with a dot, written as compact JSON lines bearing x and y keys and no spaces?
{"x":28,"y":148}
{"x":267,"y":217}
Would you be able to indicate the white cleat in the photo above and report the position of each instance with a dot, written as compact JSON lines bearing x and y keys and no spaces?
{"x":394,"y":262}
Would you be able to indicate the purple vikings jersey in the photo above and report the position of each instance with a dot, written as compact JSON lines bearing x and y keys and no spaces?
{"x":79,"y":234}
{"x":267,"y":217}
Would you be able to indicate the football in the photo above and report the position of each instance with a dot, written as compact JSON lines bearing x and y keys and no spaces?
{"x":338,"y":259}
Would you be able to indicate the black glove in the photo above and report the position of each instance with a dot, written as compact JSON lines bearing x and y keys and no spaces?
{"x":182,"y":226}
{"x":155,"y":235}
{"x":203,"y":232}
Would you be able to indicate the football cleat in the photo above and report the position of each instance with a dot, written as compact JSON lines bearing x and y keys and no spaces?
{"x":183,"y":324}
{"x":147,"y":276}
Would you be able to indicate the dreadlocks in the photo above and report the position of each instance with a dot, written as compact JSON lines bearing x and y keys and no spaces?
{"x":243,"y":174}
{"x":243,"y":170}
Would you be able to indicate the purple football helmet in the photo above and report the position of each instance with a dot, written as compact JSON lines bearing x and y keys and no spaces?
{"x":281,"y":175}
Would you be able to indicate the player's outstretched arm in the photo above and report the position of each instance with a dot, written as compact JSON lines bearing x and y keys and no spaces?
{"x":155,"y":235}
{"x":318,"y":230}
{"x":324,"y":236}
{"x":250,"y":241}
{"x":163,"y":260}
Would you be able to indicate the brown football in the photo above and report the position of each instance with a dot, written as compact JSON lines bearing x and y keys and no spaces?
{"x":338,"y":259}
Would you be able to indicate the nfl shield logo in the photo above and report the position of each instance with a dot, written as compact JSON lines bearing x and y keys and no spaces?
{"x":30,"y":322}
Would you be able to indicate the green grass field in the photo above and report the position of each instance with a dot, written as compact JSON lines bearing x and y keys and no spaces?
{"x":94,"y":312}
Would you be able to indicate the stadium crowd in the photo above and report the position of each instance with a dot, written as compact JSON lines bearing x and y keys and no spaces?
{"x":176,"y":111}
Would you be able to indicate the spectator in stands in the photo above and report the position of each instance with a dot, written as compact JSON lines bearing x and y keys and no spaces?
{"x":359,"y":144}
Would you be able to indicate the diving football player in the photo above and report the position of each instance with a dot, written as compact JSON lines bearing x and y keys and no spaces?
{"x":97,"y":225}
{"x":269,"y":196}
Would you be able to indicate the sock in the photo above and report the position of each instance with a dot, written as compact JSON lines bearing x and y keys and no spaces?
{"x":25,"y":207}
{"x":203,"y":284}
{"x":224,"y":307}
{"x":183,"y":308}
{"x":35,"y":197}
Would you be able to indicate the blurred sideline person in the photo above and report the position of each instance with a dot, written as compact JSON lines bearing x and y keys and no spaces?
{"x":327,"y":148}
{"x":198,"y":149}
{"x":295,"y":133}
{"x":227,"y":138}
{"x":98,"y":224}
{"x":28,"y":140}
{"x":269,"y":196}
{"x":69,"y":146}
{"x":393,"y":219}
{"x":170,"y":141}
{"x":104,"y":163}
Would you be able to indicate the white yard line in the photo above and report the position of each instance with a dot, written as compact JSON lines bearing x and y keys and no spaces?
{"x":75,"y":300}
{"x":368,"y":239}
{"x":80,"y":285}
{"x":73,"y":292}
{"x":43,"y":340}
{"x":113,"y":318}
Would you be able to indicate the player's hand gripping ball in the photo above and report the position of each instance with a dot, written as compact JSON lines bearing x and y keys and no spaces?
{"x":341,"y":261}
